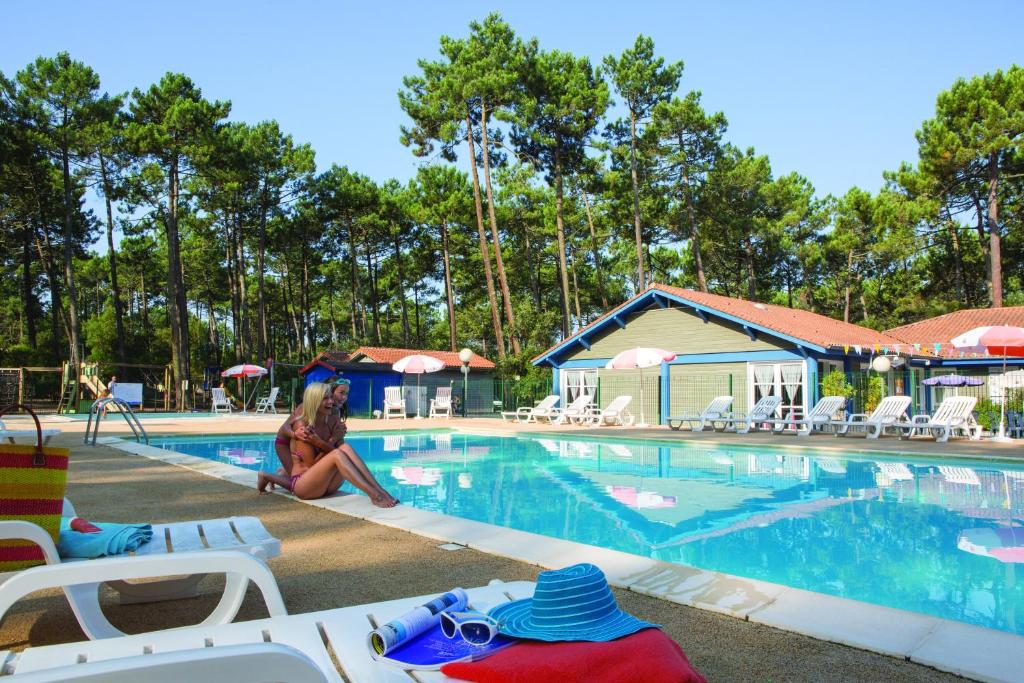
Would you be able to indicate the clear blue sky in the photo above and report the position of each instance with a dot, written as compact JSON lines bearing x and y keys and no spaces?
{"x":831,"y":90}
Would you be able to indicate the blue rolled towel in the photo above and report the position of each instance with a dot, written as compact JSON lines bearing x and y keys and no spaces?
{"x":82,"y":539}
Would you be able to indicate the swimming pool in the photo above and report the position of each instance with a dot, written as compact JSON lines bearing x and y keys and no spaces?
{"x":937,"y":537}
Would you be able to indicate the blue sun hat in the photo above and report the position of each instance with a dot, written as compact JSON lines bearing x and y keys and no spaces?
{"x":573,"y":603}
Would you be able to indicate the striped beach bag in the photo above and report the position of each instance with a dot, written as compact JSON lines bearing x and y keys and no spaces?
{"x":32,"y":482}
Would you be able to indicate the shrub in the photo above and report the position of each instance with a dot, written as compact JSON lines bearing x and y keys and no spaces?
{"x":836,"y":384}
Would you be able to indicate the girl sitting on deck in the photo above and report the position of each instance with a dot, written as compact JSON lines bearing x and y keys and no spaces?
{"x":317,"y":467}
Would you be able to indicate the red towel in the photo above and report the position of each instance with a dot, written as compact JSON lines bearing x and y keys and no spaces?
{"x":648,"y":656}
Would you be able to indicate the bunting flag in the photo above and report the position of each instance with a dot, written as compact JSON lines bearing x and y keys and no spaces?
{"x":885,"y":350}
{"x":846,"y":348}
{"x":938,"y":348}
{"x":917,"y":347}
{"x":856,"y":347}
{"x":876,"y":348}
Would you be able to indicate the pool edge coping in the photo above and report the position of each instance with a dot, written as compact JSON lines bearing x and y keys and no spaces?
{"x":980,"y":653}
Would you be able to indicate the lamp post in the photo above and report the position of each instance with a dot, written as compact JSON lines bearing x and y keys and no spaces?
{"x":465,"y":355}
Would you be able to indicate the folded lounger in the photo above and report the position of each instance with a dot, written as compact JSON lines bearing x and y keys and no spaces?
{"x":292,"y":647}
{"x":177,"y":549}
{"x":12,"y":434}
{"x":716,"y":410}
{"x":743,"y":423}
{"x":819,"y":417}
{"x":889,"y":413}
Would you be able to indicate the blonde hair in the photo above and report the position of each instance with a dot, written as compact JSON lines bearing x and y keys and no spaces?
{"x":312,"y":397}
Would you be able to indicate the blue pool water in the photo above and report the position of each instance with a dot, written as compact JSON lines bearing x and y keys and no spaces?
{"x":924,"y":535}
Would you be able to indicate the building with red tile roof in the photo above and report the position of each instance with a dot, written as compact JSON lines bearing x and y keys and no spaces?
{"x":943,"y":328}
{"x":383,"y":354}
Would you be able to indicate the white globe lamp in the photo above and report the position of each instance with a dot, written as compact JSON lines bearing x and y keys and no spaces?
{"x":881,"y":364}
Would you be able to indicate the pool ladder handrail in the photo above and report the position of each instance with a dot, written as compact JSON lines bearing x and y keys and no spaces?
{"x":126,"y":410}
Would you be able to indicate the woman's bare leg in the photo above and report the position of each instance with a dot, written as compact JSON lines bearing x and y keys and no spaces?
{"x":284,"y":454}
{"x":263,"y":479}
{"x":315,"y":482}
{"x":360,"y":465}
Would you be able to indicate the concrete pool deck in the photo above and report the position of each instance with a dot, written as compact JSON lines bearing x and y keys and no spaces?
{"x":908,"y":638}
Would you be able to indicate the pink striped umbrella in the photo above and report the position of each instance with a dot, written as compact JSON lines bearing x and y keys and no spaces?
{"x":244,"y":370}
{"x":417,"y":364}
{"x":1005,"y":544}
{"x":998,"y":340}
{"x":640,"y":357}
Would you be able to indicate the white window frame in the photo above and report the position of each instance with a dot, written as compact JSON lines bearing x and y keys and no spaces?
{"x":777,"y":387}
{"x":581,"y":377}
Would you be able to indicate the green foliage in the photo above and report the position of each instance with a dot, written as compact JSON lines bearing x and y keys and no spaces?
{"x":874,"y":392}
{"x":836,"y":384}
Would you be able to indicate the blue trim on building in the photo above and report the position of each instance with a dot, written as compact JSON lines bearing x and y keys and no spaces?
{"x":660,"y":298}
{"x":736,"y":357}
{"x":665,"y":394}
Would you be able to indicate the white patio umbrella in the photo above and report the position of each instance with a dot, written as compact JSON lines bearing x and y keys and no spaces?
{"x":242,"y":371}
{"x":640,"y":357}
{"x":996,"y":340}
{"x":417,"y":364}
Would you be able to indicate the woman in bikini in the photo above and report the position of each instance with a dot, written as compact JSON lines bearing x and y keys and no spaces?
{"x":317,"y":467}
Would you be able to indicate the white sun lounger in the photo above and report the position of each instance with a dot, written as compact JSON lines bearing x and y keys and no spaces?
{"x":743,"y":423}
{"x":954,"y":414}
{"x":545,"y":410}
{"x":12,"y":434}
{"x":162,"y":556}
{"x":578,"y":411}
{"x":717,"y":409}
{"x":818,"y":417}
{"x":221,"y":653}
{"x":394,"y":403}
{"x":615,"y":413}
{"x":889,"y":413}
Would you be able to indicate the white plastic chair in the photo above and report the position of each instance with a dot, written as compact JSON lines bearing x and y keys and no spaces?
{"x":219,"y":402}
{"x":615,"y":413}
{"x":239,"y":652}
{"x":717,"y":409}
{"x":236,"y":547}
{"x":819,"y":417}
{"x":743,"y":423}
{"x":266,"y":404}
{"x":441,"y":404}
{"x":12,"y":434}
{"x":888,"y":413}
{"x":577,"y":411}
{"x":955,"y":413}
{"x":545,"y":410}
{"x":394,"y":402}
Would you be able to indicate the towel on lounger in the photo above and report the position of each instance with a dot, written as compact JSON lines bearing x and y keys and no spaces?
{"x":82,"y":539}
{"x":648,"y":656}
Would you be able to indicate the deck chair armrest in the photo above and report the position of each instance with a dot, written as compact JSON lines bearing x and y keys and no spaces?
{"x":20,"y":530}
{"x":224,"y":663}
{"x":127,"y":567}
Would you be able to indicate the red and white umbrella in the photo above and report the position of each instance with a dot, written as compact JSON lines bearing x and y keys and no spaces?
{"x":417,"y":364}
{"x":244,"y":370}
{"x":995,"y":340}
{"x":640,"y":357}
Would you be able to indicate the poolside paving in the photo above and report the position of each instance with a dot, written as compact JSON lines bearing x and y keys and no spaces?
{"x":331,"y":560}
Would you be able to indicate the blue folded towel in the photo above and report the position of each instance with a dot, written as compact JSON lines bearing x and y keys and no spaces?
{"x":77,"y":540}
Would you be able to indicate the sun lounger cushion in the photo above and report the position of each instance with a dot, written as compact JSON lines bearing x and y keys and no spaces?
{"x":648,"y":656}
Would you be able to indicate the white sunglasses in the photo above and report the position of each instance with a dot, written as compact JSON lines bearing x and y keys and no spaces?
{"x":476,"y":628}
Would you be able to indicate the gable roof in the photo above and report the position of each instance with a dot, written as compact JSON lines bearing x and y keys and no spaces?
{"x":803,"y":328}
{"x":329,"y":360}
{"x":943,"y":328}
{"x":387,"y":355}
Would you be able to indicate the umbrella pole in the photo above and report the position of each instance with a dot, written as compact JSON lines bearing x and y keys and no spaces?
{"x":643,"y":420}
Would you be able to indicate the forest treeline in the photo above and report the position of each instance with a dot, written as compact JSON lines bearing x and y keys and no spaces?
{"x":585,"y":183}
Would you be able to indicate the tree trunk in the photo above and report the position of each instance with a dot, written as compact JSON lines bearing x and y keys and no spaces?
{"x":598,"y":270}
{"x":236,"y":306}
{"x":563,"y":270}
{"x":243,"y":291}
{"x":261,"y":304}
{"x":449,"y":294}
{"x":115,"y":287}
{"x":641,"y":281}
{"x":28,"y":298}
{"x":179,"y":336}
{"x":506,"y":297}
{"x":499,"y":333}
{"x":691,"y":215}
{"x":846,"y":294}
{"x":74,"y":327}
{"x":374,"y":298}
{"x":984,"y":240}
{"x":995,"y":239}
{"x":57,"y":316}
{"x":575,"y":285}
{"x":401,"y":289}
{"x":144,"y":303}
{"x":748,"y":262}
{"x":358,"y":311}
{"x":306,"y":307}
